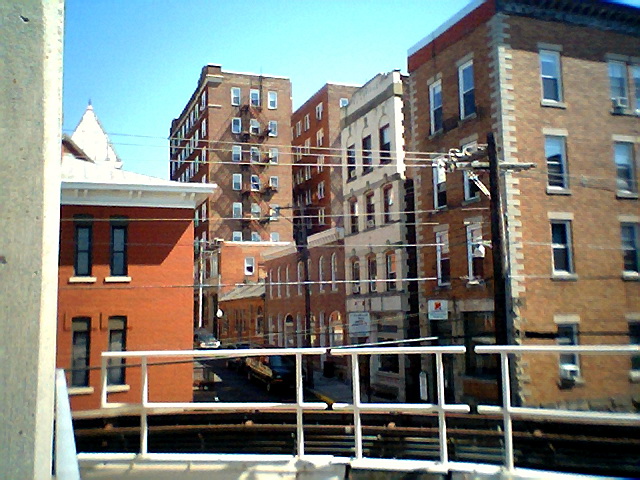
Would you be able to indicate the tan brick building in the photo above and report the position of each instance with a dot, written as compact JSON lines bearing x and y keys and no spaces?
{"x":560,"y":87}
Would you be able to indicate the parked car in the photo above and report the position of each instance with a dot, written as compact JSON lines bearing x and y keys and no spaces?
{"x":237,"y":363}
{"x":203,"y":339}
{"x":276,"y":371}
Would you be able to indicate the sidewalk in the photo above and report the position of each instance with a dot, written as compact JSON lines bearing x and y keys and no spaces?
{"x":333,"y":390}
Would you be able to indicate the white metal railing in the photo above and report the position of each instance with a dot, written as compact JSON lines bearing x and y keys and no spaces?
{"x":509,"y":412}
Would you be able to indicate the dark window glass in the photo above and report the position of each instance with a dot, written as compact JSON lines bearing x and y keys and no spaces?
{"x":83,"y":243}
{"x":118,"y":250}
{"x":117,"y":343}
{"x":367,"y":164}
{"x":385,"y":145}
{"x":80,"y":328}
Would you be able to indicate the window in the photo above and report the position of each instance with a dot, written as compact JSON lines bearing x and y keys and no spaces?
{"x":385,"y":144}
{"x":634,"y":339}
{"x":355,"y":276}
{"x":203,"y":128}
{"x":249,"y":265}
{"x":255,"y":210}
{"x":236,"y":153}
{"x":319,"y":138}
{"x":236,"y":182}
{"x":629,"y":235}
{"x":321,"y":190}
{"x":439,"y":184}
{"x":321,"y":216}
{"x":353,"y":215}
{"x":320,"y":163}
{"x":235,"y":96}
{"x":388,"y":363}
{"x":307,"y":197}
{"x":370,"y":208}
{"x":273,"y":128}
{"x":272,"y":100}
{"x":569,"y":362}
{"x":279,"y":286}
{"x":387,"y":200}
{"x":255,"y":154}
{"x":237,"y":210}
{"x":287,"y":283}
{"x":625,"y":168}
{"x":307,"y":172}
{"x":236,"y":236}
{"x":254,"y":97}
{"x":635,"y":73}
{"x":475,"y":252}
{"x":80,"y":349}
{"x":344,"y":102}
{"x":118,"y":248}
{"x":390,"y":270}
{"x":367,"y":165}
{"x":555,"y":151}
{"x":273,"y":182}
{"x":117,"y":343}
{"x":254,"y":127}
{"x":467,"y":91}
{"x":561,"y":246}
{"x":307,"y":124}
{"x":274,"y":212}
{"x":236,"y":125}
{"x":334,"y":272}
{"x":471,"y":190}
{"x":321,"y":274}
{"x":435,"y":106}
{"x":203,"y":100}
{"x":83,"y":246}
{"x":618,"y":83}
{"x":550,"y":76}
{"x":372,"y":272}
{"x":300,"y":278}
{"x":479,"y":329}
{"x":255,"y":237}
{"x":274,"y":236}
{"x":298,"y":129}
{"x":273,"y":155}
{"x":255,"y":183}
{"x":443,"y":266}
{"x":307,"y":146}
{"x":351,"y":162}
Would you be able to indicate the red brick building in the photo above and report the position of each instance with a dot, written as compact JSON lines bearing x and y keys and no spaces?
{"x":242,"y":315}
{"x":559,"y":86}
{"x":125,"y":278}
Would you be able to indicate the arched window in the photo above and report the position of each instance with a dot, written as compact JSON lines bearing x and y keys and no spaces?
{"x":321,"y":274}
{"x":260,"y":323}
{"x":287,"y":288}
{"x":300,"y":329}
{"x":334,"y":271}
{"x":300,"y":278}
{"x":323,"y":330}
{"x":279,"y":284}
{"x":391,"y":273}
{"x":336,"y":329}
{"x":355,"y":276}
{"x":372,"y":272}
{"x":289,"y":337}
{"x":271,"y":283}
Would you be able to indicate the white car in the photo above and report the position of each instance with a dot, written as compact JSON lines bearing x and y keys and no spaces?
{"x":205,"y":340}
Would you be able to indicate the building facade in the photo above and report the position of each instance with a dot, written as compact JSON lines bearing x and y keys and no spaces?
{"x":558,"y":86}
{"x":377,"y":246}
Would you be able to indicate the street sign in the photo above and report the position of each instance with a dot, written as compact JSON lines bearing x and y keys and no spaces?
{"x":438,"y":309}
{"x":359,"y":324}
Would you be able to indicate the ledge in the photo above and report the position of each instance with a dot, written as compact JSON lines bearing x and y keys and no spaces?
{"x":558,"y":191}
{"x":118,"y":388}
{"x":628,"y":195}
{"x":82,"y":280}
{"x":631,"y":276}
{"x":117,"y":280}
{"x":469,"y":201}
{"x":552,"y":104}
{"x":634,"y":376}
{"x":564,"y":277}
{"x":80,"y":390}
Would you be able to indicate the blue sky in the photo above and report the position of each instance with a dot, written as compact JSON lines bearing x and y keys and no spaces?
{"x":138,"y":61}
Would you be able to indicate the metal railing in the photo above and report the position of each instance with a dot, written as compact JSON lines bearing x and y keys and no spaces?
{"x":357,"y":407}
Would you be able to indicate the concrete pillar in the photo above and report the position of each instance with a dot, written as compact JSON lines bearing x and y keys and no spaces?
{"x":30,"y":129}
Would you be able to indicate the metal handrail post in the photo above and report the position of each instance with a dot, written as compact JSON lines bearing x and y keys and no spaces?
{"x":506,"y":412}
{"x":299,"y":401}
{"x":357,"y":421}
{"x":103,"y":382}
{"x":442,"y":422}
{"x":144,"y":427}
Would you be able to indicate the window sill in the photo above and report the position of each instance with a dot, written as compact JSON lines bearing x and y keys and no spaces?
{"x":117,"y":279}
{"x":634,"y":376}
{"x":437,"y":133}
{"x":564,"y":277}
{"x":558,"y":191}
{"x":469,"y":117}
{"x":475,"y":283}
{"x":568,"y":384}
{"x":351,"y":179}
{"x":631,"y":276}
{"x":624,"y":194}
{"x":82,"y":280}
{"x":552,"y":104}
{"x":625,"y":112}
{"x":468,"y":201}
{"x":118,"y":388}
{"x":444,"y":286}
{"x":80,"y":390}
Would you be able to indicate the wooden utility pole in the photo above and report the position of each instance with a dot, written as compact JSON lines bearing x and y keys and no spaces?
{"x":303,"y":252}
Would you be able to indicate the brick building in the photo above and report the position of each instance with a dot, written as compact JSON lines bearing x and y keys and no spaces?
{"x":234,"y":131}
{"x":315,"y":133}
{"x":125,"y":277}
{"x":242,"y":315}
{"x":559,"y":87}
{"x":379,"y":246}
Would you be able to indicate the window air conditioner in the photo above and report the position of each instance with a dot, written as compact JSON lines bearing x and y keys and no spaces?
{"x":355,"y":288}
{"x":371,"y":223}
{"x":618,"y":104}
{"x":569,"y":372}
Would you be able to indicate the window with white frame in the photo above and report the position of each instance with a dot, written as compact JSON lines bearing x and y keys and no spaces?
{"x":475,"y":252}
{"x":569,"y":363}
{"x":237,"y":210}
{"x":387,"y":203}
{"x":385,"y":144}
{"x":319,"y":111}
{"x":274,"y":236}
{"x":561,"y":247}
{"x":367,"y":161}
{"x":629,"y":236}
{"x":435,"y":106}
{"x":467,"y":90}
{"x":625,"y":168}
{"x":370,"y":210}
{"x":351,"y":162}
{"x":235,"y":96}
{"x":320,"y":163}
{"x":204,"y":156}
{"x":618,"y":84}
{"x":334,"y":272}
{"x":287,"y":282}
{"x":307,"y":123}
{"x":255,"y":237}
{"x":321,"y":216}
{"x":307,"y":197}
{"x":255,"y":183}
{"x":272,"y":100}
{"x":555,"y":152}
{"x":439,"y":183}
{"x":307,"y":146}
{"x":279,"y":286}
{"x":274,"y":212}
{"x":236,"y":153}
{"x":353,"y":215}
{"x":203,"y":128}
{"x":273,"y":182}
{"x":203,"y":100}
{"x":321,"y":274}
{"x":255,"y":210}
{"x":273,"y":128}
{"x":321,"y":190}
{"x":634,"y":339}
{"x":254,"y":127}
{"x":391,"y":273}
{"x":443,"y":265}
{"x":254,"y":96}
{"x":273,"y":155}
{"x":550,"y":76}
{"x":319,"y":138}
{"x":236,"y":182}
{"x":355,"y":276}
{"x":471,"y":190}
{"x":249,"y":265}
{"x":236,"y":125}
{"x":300,"y":278}
{"x":298,"y":129}
{"x":372,"y":272}
{"x":255,"y":154}
{"x":307,"y":172}
{"x":344,"y":102}
{"x":236,"y":236}
{"x":635,"y":75}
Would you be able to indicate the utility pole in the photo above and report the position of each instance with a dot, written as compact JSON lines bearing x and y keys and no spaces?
{"x":200,"y":280}
{"x":303,"y":252}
